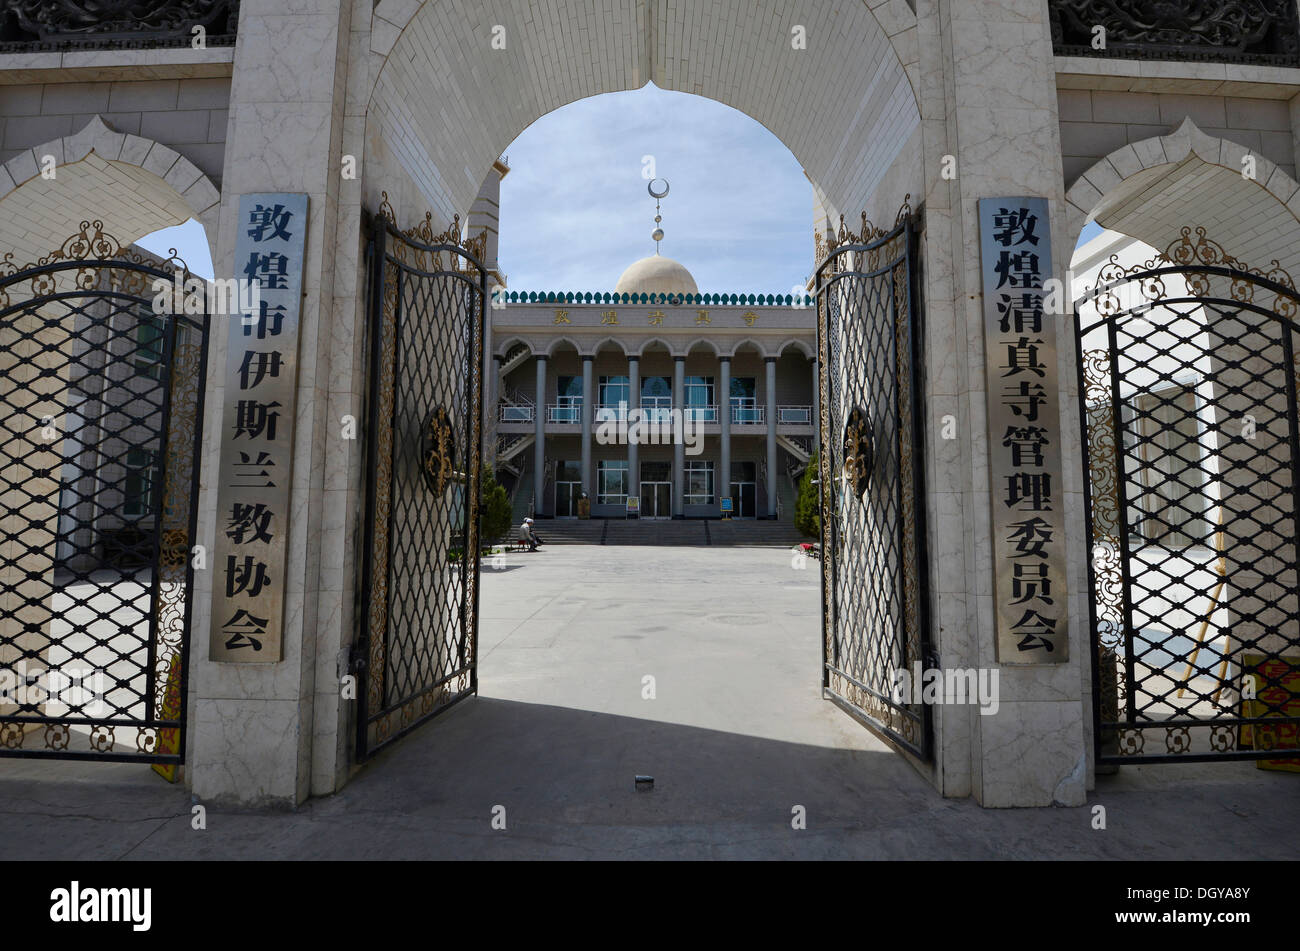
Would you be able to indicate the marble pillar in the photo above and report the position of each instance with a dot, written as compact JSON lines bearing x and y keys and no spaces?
{"x":539,"y":439}
{"x":679,"y":448}
{"x":633,"y":402}
{"x":770,"y":366}
{"x":722,"y":485}
{"x":588,"y":407}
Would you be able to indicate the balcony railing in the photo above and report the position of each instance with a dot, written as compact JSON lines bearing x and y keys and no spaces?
{"x":745,"y":410}
{"x":567,"y":410}
{"x":794,"y":415}
{"x":656,"y":409}
{"x":701,"y":414}
{"x":515,"y":414}
{"x":1263,"y":32}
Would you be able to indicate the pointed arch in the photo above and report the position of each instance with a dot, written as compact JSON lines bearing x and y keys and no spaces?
{"x":134,"y":184}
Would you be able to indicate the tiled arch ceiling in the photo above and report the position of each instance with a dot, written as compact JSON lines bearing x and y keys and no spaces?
{"x":445,"y":104}
{"x":1248,"y":221}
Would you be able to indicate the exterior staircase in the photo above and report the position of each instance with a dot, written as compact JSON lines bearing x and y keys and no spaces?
{"x":674,"y":532}
{"x":569,"y":531}
{"x":744,"y":533}
{"x":667,"y":532}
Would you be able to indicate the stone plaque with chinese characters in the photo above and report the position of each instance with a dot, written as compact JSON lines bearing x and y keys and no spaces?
{"x":1028,"y":530}
{"x":257,"y":434}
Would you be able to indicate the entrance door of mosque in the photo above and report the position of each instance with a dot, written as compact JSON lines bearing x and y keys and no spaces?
{"x":566,"y":499}
{"x":875,"y":600}
{"x":415,"y":653}
{"x":656,"y":500}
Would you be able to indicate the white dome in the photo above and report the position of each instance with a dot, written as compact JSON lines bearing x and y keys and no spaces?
{"x":656,"y":275}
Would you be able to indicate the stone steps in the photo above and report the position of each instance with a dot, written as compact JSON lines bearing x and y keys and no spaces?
{"x":674,"y":532}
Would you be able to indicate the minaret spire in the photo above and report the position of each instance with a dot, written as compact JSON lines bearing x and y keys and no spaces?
{"x":658,"y":233}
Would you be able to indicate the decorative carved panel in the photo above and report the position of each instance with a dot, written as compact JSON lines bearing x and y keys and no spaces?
{"x":1247,"y":31}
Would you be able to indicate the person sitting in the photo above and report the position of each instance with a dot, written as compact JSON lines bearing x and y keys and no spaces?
{"x":526,"y":536}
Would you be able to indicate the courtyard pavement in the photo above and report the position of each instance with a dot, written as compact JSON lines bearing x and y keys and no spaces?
{"x":735,"y":737}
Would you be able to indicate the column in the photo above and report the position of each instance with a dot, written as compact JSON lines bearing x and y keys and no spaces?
{"x":722,"y":480}
{"x":633,"y":402}
{"x":679,"y":448}
{"x":588,"y":399}
{"x":539,"y":435}
{"x":491,"y":412}
{"x":269,"y":734}
{"x":816,"y":401}
{"x":771,"y":436}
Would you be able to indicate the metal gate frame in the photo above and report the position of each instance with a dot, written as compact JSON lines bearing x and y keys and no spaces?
{"x":407,"y":276}
{"x":879,"y":269}
{"x":1118,"y":727}
{"x":89,"y":268}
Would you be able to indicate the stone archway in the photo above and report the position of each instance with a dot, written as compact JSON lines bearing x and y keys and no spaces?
{"x":1150,"y":189}
{"x":850,"y":128}
{"x":134,"y":184}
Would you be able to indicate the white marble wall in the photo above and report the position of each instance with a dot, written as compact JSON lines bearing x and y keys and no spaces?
{"x":254,"y":733}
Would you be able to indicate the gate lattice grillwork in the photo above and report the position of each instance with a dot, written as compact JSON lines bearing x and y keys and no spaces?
{"x":101,"y":404}
{"x":875,"y":600}
{"x":1189,"y":380}
{"x":419,"y":607}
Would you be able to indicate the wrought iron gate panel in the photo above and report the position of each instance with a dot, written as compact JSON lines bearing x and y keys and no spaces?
{"x":101,"y":409}
{"x":419,"y":594}
{"x":875,"y":606}
{"x":1188,"y":377}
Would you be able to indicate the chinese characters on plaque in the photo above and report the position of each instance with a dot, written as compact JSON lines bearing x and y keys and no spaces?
{"x":1024,"y":432}
{"x":257,"y":434}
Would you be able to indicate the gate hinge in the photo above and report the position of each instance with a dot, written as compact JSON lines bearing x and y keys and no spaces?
{"x":356,"y":660}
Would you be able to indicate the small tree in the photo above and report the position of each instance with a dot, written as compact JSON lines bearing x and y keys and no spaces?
{"x":807,"y":512}
{"x":494,"y":508}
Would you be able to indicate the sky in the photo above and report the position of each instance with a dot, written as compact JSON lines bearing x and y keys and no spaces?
{"x":575,"y":211}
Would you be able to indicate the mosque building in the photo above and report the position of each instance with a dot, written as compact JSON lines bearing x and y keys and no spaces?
{"x":654,"y":399}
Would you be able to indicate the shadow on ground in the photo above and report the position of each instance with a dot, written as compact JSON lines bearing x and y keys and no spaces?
{"x":568,"y":792}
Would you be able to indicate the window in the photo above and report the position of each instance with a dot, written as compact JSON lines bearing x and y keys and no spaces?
{"x":138,"y":488}
{"x":568,"y":402}
{"x":656,"y":398}
{"x":1166,"y":468}
{"x":699,"y":398}
{"x":699,"y":482}
{"x":611,"y":482}
{"x":744,"y":404}
{"x":150,"y":334}
{"x":615,"y":392}
{"x":569,"y":470}
{"x":744,"y":472}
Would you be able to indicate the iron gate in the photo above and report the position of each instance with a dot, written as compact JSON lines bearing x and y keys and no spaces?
{"x":875,"y":604}
{"x":1188,"y":372}
{"x":101,"y":409}
{"x":419,"y":593}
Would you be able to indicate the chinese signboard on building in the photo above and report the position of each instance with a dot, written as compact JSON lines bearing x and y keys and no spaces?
{"x":1024,"y":432}
{"x":257,"y":434}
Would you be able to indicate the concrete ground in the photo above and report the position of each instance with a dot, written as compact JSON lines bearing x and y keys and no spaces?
{"x":735,"y":736}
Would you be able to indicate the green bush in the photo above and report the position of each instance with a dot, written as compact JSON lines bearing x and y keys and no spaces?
{"x":494,"y":509}
{"x":807,"y":513}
